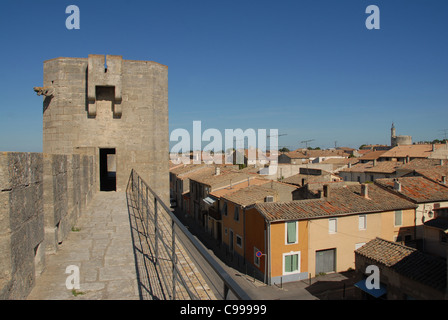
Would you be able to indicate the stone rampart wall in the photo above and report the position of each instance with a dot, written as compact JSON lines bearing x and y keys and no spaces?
{"x":41,"y":198}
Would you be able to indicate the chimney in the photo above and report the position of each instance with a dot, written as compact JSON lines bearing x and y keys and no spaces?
{"x":441,"y":162}
{"x":326,"y":191}
{"x":444,"y":179}
{"x":349,"y":164}
{"x":374,"y":162}
{"x":217,"y":171}
{"x":408,"y":159}
{"x":433,"y":147}
{"x":365,"y":191}
{"x":397,"y":185}
{"x":248,"y":182}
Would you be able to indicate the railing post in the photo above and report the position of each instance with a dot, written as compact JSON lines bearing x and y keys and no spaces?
{"x":147,"y":211}
{"x":156,"y":232}
{"x":173,"y":256}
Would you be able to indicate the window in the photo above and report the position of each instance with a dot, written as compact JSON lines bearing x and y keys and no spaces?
{"x":291,"y":262}
{"x":224,"y":208}
{"x":443,"y":237}
{"x":291,"y":232}
{"x":332,"y":225}
{"x":237,"y":214}
{"x":398,"y":218}
{"x":362,"y":219}
{"x":239,"y":241}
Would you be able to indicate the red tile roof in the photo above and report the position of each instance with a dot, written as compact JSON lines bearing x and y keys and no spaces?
{"x":408,"y":262}
{"x":416,"y":189}
{"x":341,"y":201}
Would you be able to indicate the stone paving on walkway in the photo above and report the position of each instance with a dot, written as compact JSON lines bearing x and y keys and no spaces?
{"x":101,"y":246}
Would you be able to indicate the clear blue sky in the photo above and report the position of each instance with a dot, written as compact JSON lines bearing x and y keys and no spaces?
{"x":308,"y":68}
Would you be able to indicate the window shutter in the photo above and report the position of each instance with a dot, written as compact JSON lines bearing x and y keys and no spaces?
{"x":288,"y":265}
{"x":291,"y":229}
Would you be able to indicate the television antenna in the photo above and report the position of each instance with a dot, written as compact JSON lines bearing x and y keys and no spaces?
{"x":306,"y":142}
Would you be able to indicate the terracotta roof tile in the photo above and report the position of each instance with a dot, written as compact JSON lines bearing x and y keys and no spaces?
{"x":341,"y":201}
{"x":413,"y":151}
{"x":417,"y":189}
{"x":408,"y":262}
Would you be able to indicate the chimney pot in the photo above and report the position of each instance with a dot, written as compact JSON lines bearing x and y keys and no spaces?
{"x":444,"y":179}
{"x":397,"y":185}
{"x":217,"y":171}
{"x":326,"y":191}
{"x":365,"y":190}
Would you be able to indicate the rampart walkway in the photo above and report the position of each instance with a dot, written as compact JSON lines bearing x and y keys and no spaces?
{"x":101,"y":246}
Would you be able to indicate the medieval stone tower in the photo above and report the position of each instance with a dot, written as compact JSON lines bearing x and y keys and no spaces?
{"x":113,"y":109}
{"x":398,"y":140}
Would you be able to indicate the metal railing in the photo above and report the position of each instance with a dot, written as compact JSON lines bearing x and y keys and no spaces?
{"x":173,"y":249}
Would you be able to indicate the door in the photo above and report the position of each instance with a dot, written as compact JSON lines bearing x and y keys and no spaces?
{"x":231,"y":240}
{"x":325,"y":261}
{"x":108,"y":174}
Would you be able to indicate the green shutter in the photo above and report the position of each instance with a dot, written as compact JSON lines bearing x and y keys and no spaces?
{"x":288,"y":264}
{"x":291,"y":229}
{"x":291,"y":263}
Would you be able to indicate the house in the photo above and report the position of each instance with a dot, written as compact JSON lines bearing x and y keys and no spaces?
{"x":425,"y":193}
{"x":309,"y":175}
{"x":205,"y":182}
{"x":436,"y":233}
{"x":217,"y":204}
{"x":234,"y":207}
{"x":300,"y":239}
{"x":370,"y":171}
{"x":406,"y":153}
{"x":404,"y":273}
{"x":180,"y":183}
{"x":338,"y":164}
{"x":434,"y":169}
{"x":301,"y":156}
{"x":371,"y":156}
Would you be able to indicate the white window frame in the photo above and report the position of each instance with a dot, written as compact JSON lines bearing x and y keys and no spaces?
{"x":298,"y":262}
{"x":286,"y":233}
{"x":335,"y":225}
{"x":364,"y":225}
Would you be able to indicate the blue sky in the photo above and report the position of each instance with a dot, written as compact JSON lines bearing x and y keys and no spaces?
{"x":308,"y":68}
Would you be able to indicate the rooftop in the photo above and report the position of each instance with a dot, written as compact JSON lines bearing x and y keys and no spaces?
{"x":342,"y":200}
{"x":250,"y":195}
{"x":407,"y":261}
{"x":387,"y":167}
{"x":413,"y":151}
{"x":416,"y":189}
{"x":227,"y":176}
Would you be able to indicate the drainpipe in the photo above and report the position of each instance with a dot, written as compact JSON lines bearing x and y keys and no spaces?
{"x":267,"y":262}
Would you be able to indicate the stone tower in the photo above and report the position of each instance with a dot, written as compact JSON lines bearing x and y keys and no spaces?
{"x":113,"y":109}
{"x":398,"y":140}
